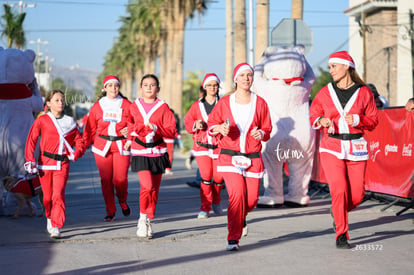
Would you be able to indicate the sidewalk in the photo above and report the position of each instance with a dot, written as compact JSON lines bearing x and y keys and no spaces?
{"x":280,"y":241}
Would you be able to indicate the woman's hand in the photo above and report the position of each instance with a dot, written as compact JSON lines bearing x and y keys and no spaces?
{"x":349,"y":119}
{"x":127,"y":146}
{"x":256,"y":134}
{"x":325,"y":122}
{"x":124,"y":131}
{"x":199,"y":124}
{"x":223,"y":129}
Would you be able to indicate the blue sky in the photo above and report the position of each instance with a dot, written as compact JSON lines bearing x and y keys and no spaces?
{"x":82,"y":32}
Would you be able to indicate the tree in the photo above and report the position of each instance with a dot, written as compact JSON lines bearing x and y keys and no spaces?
{"x":323,"y":79}
{"x":191,"y":86}
{"x":13,"y":27}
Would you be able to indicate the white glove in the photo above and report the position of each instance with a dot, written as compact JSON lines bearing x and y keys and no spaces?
{"x":30,"y":167}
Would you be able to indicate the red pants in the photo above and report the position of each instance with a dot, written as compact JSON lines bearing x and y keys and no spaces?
{"x":243,"y":197}
{"x":346,"y":185}
{"x":113,"y":170}
{"x":209,"y":193}
{"x":170,"y":151}
{"x":148,"y":194}
{"x":53,"y":185}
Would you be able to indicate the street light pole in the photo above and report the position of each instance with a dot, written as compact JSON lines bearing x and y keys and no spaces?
{"x":22,"y":5}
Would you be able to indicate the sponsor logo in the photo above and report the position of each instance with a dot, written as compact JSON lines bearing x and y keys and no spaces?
{"x":373,"y":146}
{"x":391,"y":148}
{"x":288,"y":153}
{"x":407,"y":150}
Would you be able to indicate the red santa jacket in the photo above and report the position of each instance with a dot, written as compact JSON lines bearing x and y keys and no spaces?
{"x":238,"y":141}
{"x":106,"y":119}
{"x":57,"y":136}
{"x":204,"y":144}
{"x":145,"y":141}
{"x":361,"y":105}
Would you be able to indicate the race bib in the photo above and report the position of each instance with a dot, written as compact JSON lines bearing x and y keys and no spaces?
{"x":241,"y":162}
{"x":359,"y":147}
{"x":112,"y":116}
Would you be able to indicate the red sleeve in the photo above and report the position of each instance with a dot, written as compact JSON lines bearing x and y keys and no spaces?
{"x":32,"y":138}
{"x":368,"y":120}
{"x":90,"y":128}
{"x":167,"y":128}
{"x":190,"y":118}
{"x":265,"y":120}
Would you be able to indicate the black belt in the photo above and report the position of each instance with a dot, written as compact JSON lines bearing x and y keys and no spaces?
{"x":149,"y":145}
{"x":254,"y":155}
{"x":346,"y":136}
{"x":112,"y":138}
{"x":55,"y":156}
{"x":206,"y":145}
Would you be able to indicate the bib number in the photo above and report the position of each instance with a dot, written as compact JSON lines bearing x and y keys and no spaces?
{"x":359,"y":147}
{"x":112,"y":116}
{"x":241,"y":162}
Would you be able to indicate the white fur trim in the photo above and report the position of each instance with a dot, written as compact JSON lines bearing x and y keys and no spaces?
{"x":341,"y":61}
{"x":241,"y":69}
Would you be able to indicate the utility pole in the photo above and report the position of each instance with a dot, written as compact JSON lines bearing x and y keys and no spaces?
{"x":297,"y":9}
{"x":22,"y":5}
{"x":38,"y":52}
{"x":364,"y":47}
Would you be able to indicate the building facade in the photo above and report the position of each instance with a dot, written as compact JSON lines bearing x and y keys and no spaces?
{"x":381,"y":43}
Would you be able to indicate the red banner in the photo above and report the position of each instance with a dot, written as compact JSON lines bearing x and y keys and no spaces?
{"x":390,"y":168}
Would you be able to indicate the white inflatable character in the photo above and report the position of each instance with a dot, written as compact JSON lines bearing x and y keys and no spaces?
{"x":20,"y":99}
{"x":284,"y":79}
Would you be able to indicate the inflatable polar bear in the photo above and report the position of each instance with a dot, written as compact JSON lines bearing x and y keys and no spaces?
{"x":19,"y":99}
{"x":284,"y":79}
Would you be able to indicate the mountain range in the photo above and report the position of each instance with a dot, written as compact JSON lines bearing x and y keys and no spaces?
{"x":77,"y":78}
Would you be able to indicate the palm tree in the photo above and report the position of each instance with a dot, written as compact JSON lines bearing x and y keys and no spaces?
{"x":240,"y":36}
{"x":178,"y":11}
{"x":262,"y":27}
{"x":13,"y":27}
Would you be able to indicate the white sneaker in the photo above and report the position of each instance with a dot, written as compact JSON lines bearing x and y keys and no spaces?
{"x":142,"y":231}
{"x":150,"y":233}
{"x":188,"y":164}
{"x":55,"y":233}
{"x":245,"y":230}
{"x":49,"y":226}
{"x":217,"y":209}
{"x":232,"y":247}
{"x":202,"y":215}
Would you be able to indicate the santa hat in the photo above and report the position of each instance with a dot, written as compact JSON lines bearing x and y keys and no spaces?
{"x":240,"y":68}
{"x":110,"y":78}
{"x":210,"y":77}
{"x":342,"y":57}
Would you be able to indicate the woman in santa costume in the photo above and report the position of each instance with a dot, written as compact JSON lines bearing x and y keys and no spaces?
{"x":106,"y":129}
{"x":57,"y":133}
{"x":343,"y":110}
{"x":150,"y":122}
{"x":205,"y":148}
{"x":240,"y":121}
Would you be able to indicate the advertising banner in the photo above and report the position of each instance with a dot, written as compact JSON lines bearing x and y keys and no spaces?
{"x":390,"y":168}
